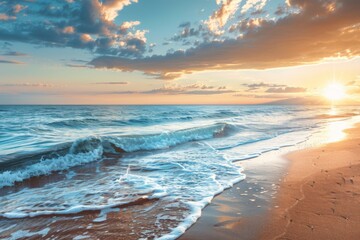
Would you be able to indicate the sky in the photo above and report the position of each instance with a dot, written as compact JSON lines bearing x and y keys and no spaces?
{"x":176,"y":51}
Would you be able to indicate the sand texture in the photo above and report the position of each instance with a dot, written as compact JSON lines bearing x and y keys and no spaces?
{"x":320,"y":196}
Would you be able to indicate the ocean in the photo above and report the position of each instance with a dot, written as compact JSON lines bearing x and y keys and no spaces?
{"x":150,"y":168}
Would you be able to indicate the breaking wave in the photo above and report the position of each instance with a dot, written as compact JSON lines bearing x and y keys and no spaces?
{"x":86,"y":150}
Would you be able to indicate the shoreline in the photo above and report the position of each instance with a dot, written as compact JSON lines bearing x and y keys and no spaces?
{"x":218,"y":220}
{"x":239,"y":210}
{"x":319,"y":198}
{"x":242,"y":211}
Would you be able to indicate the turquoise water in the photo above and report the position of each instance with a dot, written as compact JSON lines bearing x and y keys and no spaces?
{"x":183,"y":155}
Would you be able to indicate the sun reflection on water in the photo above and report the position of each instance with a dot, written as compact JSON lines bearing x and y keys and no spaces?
{"x":333,"y":111}
{"x":335,"y":129}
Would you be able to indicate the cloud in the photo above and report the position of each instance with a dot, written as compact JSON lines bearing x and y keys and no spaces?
{"x":79,"y":60}
{"x":316,"y":30}
{"x":247,"y":25}
{"x":14,"y":54}
{"x":353,"y":87}
{"x":11,"y":11}
{"x":87,"y":24}
{"x":286,"y":90}
{"x":203,"y":87}
{"x":5,"y":46}
{"x":10,"y":62}
{"x":5,"y":17}
{"x":351,"y":83}
{"x":112,"y":83}
{"x":76,"y":65}
{"x":68,"y":30}
{"x":43,"y":85}
{"x":256,"y":86}
{"x":281,"y":10}
{"x":220,"y":17}
{"x":195,"y":89}
{"x":110,"y":8}
{"x":17,"y":8}
{"x":187,"y":31}
{"x":209,"y":92}
{"x":258,"y":5}
{"x":262,"y":96}
{"x":126,"y":25}
{"x":355,"y":90}
{"x":273,"y":88}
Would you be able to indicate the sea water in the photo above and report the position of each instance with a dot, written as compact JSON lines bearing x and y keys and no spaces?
{"x":180,"y":155}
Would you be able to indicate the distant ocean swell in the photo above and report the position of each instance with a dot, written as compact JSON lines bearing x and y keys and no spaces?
{"x":161,"y":118}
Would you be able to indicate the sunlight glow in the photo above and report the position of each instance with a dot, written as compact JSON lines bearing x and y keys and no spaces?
{"x":335,"y":131}
{"x":334,"y":91}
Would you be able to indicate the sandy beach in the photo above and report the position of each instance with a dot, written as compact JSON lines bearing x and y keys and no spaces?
{"x":318,"y":198}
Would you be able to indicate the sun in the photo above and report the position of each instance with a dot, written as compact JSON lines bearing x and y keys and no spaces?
{"x":335,"y":91}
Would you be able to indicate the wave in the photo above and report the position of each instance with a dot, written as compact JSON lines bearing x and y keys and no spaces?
{"x":73,"y":123}
{"x":78,"y":209}
{"x":163,"y":140}
{"x":340,"y":115}
{"x":177,"y":116}
{"x":86,"y":150}
{"x":47,"y":166}
{"x":142,"y":121}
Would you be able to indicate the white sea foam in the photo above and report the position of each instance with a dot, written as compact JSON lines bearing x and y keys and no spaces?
{"x":189,"y":175}
{"x":3,"y":229}
{"x":86,"y":150}
{"x":165,"y":139}
{"x":47,"y":166}
{"x":103,"y":214}
{"x":26,"y":234}
{"x":102,"y":193}
{"x":195,"y":212}
{"x":79,"y":237}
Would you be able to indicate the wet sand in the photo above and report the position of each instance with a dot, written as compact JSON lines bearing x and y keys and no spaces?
{"x":318,"y":198}
{"x":313,"y":194}
{"x":126,"y":221}
{"x":238,"y":212}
